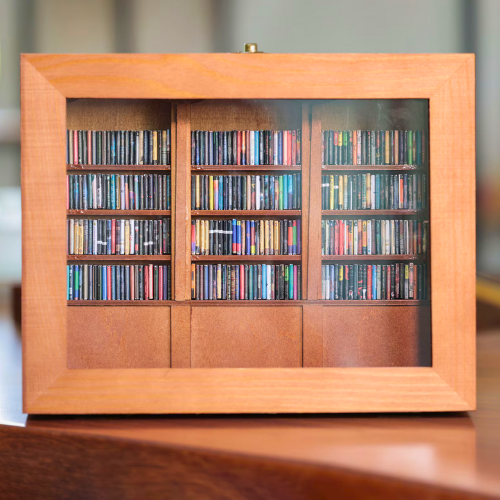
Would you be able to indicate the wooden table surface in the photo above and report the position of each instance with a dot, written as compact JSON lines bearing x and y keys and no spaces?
{"x":245,"y":457}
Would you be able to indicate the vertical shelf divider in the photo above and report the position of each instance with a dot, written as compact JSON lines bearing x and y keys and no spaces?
{"x":182,"y":242}
{"x":314,"y":252}
{"x":305,"y":173}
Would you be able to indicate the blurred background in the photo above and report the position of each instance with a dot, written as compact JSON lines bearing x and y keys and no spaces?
{"x":168,"y":26}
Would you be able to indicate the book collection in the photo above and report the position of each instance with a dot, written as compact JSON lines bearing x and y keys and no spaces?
{"x":246,"y":192}
{"x":118,"y":192}
{"x":374,"y":237}
{"x":124,"y":282}
{"x":245,"y":237}
{"x":246,"y":147}
{"x":118,"y":147}
{"x":119,"y":237}
{"x":374,"y":147}
{"x":374,"y":282}
{"x":246,"y":282}
{"x":374,"y":192}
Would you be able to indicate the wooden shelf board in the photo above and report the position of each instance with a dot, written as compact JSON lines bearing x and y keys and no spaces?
{"x":261,"y":258}
{"x":131,"y":168}
{"x":246,"y":168}
{"x":121,"y":258}
{"x":373,"y":257}
{"x":121,"y":302}
{"x":255,"y":214}
{"x":367,"y":213}
{"x":373,"y":167}
{"x":119,"y":213}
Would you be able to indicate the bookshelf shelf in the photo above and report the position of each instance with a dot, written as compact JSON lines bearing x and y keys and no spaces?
{"x":373,"y":168}
{"x":245,"y":168}
{"x":120,"y":258}
{"x":254,"y":214}
{"x":206,"y":356}
{"x":373,"y":257}
{"x":247,"y":258}
{"x":368,"y":213}
{"x":119,"y":213}
{"x":121,"y":168}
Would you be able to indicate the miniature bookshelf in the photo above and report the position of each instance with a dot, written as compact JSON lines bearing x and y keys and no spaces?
{"x":306,"y":342}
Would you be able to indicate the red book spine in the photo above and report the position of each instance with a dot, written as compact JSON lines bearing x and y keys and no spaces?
{"x":341,"y":237}
{"x":290,"y":239}
{"x":360,"y":237}
{"x":75,"y":147}
{"x":294,"y":147}
{"x":242,"y":282}
{"x":127,"y":204}
{"x":145,"y":274}
{"x":243,"y":147}
{"x":247,"y":133}
{"x":113,"y":236}
{"x":193,"y":239}
{"x":160,"y":282}
{"x":369,"y":282}
{"x":108,"y":284}
{"x":396,"y":282}
{"x":337,"y":237}
{"x":238,"y":148}
{"x":150,"y":282}
{"x":132,"y":283}
{"x":89,"y":147}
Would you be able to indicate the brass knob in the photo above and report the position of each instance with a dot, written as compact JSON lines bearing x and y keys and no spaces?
{"x":250,"y":48}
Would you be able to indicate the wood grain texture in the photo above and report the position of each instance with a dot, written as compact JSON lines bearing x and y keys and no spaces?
{"x":43,"y":182}
{"x":236,"y":76}
{"x":251,"y":338}
{"x":312,"y":328}
{"x":125,"y":337}
{"x":118,"y":114}
{"x":181,"y":336}
{"x":396,"y":336}
{"x":306,"y":193}
{"x":182,"y":241}
{"x":452,"y":112}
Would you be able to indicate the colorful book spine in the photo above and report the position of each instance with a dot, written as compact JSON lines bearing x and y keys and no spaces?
{"x":119,"y":282}
{"x":398,"y":281}
{"x":246,"y":282}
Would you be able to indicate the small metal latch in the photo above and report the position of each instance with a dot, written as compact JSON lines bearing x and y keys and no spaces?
{"x":251,"y":48}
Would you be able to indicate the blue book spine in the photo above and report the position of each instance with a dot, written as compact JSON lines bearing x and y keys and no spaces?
{"x":70,"y":282}
{"x":280,"y":147}
{"x":271,"y":185}
{"x":76,"y":278}
{"x":250,"y":246}
{"x":290,"y":281}
{"x":263,"y":284}
{"x":88,"y":180}
{"x":285,"y":191}
{"x":290,"y":192}
{"x":113,"y":193}
{"x":247,"y":234}
{"x":374,"y":282}
{"x":238,"y":227}
{"x":377,"y":192}
{"x":205,"y":282}
{"x":113,"y":149}
{"x":234,"y":237}
{"x":113,"y":282}
{"x":104,"y":283}
{"x":221,"y":192}
{"x":108,"y":237}
{"x":256,"y":147}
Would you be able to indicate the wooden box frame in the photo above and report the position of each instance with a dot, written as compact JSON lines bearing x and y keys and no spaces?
{"x":50,"y":387}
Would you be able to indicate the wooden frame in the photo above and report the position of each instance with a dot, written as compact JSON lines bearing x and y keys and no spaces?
{"x":50,"y":387}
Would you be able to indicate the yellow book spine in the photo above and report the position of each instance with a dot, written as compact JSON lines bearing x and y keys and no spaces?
{"x":219,"y":281}
{"x":365,"y":238}
{"x":197,"y":206}
{"x":262,"y":237}
{"x":396,"y":147}
{"x":387,"y":147}
{"x":127,"y":237}
{"x":276,"y":238}
{"x":211,"y":192}
{"x":331,"y":192}
{"x":155,"y":147}
{"x":341,"y":192}
{"x":197,"y":237}
{"x":266,"y":238}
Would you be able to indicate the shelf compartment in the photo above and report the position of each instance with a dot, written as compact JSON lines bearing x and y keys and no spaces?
{"x":119,"y":213}
{"x":246,"y":258}
{"x":121,"y":302}
{"x":367,"y":213}
{"x":353,"y":168}
{"x":245,"y":168}
{"x":122,"y":168}
{"x":243,"y":213}
{"x":121,"y":258}
{"x":373,"y":257}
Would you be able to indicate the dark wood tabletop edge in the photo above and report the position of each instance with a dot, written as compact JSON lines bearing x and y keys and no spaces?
{"x":77,"y":449}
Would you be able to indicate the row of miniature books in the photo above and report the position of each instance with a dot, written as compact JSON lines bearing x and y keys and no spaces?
{"x":246,"y":192}
{"x":119,"y":237}
{"x":374,"y":281}
{"x":246,"y":237}
{"x":374,"y":147}
{"x":374,"y":237}
{"x":246,"y":147}
{"x":374,"y":192}
{"x":118,"y":192}
{"x":245,"y":282}
{"x":119,"y":282}
{"x":118,"y":147}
